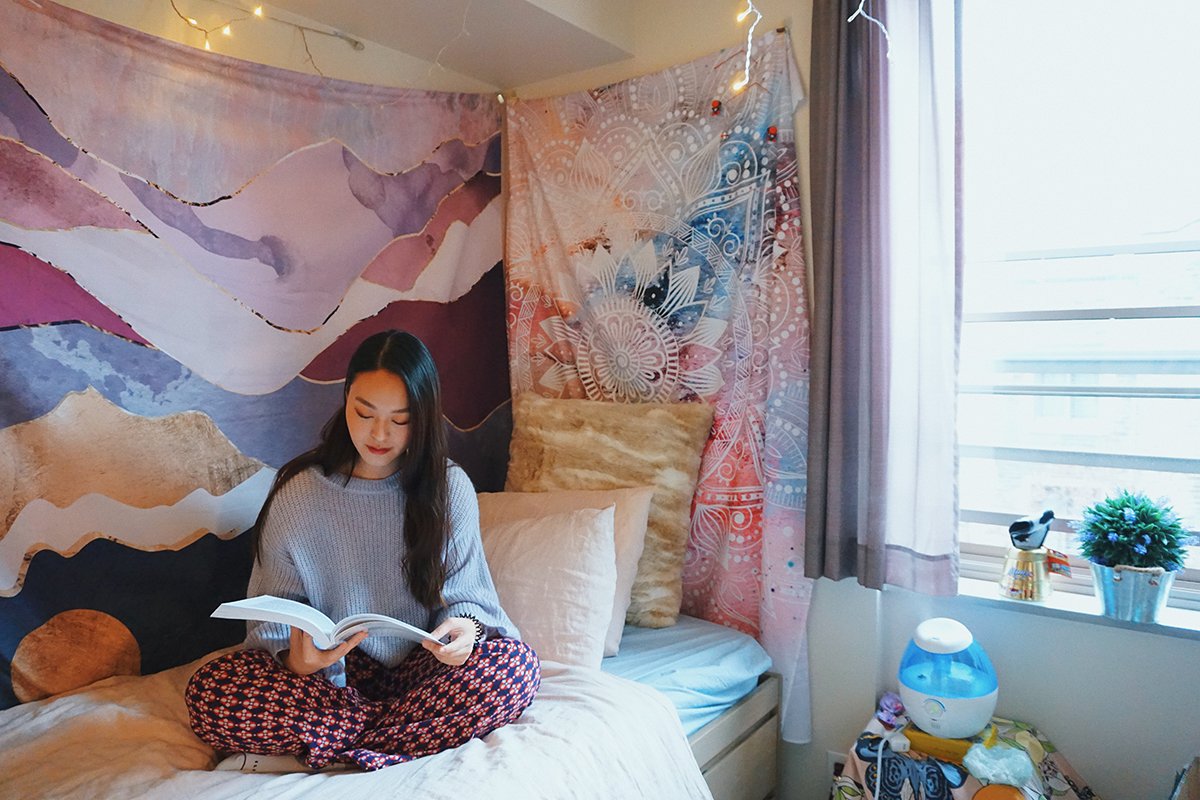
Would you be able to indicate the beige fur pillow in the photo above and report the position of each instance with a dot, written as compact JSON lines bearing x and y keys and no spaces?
{"x":586,"y":444}
{"x":629,"y":532}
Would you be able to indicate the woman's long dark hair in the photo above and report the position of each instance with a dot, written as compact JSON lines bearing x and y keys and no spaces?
{"x":422,"y":465}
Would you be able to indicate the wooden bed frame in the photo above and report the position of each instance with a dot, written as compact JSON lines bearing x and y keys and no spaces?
{"x":737,"y":750}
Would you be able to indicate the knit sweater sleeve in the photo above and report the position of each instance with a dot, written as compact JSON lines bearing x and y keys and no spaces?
{"x":274,"y":573}
{"x":469,"y":589}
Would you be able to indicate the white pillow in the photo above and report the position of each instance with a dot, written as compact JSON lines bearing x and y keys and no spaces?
{"x":629,"y":531}
{"x":556,"y":576}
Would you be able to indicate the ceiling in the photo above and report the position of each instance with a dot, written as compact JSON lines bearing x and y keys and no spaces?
{"x":505,"y":43}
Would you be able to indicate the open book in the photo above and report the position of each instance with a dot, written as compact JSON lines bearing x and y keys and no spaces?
{"x":325,"y":632}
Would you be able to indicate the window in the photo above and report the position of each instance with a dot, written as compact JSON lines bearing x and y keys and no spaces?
{"x":1080,"y":351}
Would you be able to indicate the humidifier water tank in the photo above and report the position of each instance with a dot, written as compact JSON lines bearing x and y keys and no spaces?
{"x":947,"y":682}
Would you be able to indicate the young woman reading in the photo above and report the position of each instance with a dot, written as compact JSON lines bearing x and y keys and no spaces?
{"x":375,"y":518}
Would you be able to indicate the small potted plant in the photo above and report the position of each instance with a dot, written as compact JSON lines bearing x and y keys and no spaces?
{"x":1135,"y":546}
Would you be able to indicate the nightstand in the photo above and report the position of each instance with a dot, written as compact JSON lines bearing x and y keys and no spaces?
{"x":918,"y":776}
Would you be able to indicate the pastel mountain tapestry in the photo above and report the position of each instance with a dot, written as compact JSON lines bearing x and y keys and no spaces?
{"x":190,"y":248}
{"x":654,"y":255}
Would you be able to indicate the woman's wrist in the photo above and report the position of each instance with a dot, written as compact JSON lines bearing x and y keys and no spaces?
{"x":480,"y":630}
{"x":285,"y":658}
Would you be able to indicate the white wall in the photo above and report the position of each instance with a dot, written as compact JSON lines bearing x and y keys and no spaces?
{"x":844,"y":661}
{"x":266,"y":41}
{"x":612,"y":19}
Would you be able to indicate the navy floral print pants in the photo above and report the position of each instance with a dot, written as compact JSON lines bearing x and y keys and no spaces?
{"x":247,"y":702}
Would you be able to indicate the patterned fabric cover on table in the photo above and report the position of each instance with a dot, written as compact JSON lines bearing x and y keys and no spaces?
{"x":921,"y":777}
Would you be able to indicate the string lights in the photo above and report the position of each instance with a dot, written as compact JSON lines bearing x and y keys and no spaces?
{"x":257,"y":12}
{"x":462,"y":31}
{"x":741,"y":82}
{"x":861,"y":11}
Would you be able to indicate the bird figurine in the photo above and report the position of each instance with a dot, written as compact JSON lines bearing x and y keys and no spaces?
{"x":1028,"y":533}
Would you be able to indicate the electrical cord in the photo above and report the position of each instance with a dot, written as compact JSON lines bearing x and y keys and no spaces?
{"x":879,"y":766}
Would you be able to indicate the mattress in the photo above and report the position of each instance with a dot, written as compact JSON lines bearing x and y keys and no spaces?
{"x":702,"y":668}
{"x":587,"y":736}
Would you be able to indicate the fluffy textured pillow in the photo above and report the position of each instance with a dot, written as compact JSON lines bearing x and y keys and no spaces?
{"x":629,"y":531}
{"x":555,"y":576}
{"x":586,"y":444}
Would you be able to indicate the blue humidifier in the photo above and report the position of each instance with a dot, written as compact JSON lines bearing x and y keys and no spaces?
{"x":947,"y":683}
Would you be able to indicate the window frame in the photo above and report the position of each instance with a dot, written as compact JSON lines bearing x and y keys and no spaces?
{"x":985,"y":561}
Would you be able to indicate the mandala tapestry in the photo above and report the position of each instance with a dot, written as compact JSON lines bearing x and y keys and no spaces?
{"x":654,"y":254}
{"x":190,"y":247}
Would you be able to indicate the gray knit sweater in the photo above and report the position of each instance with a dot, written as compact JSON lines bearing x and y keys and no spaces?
{"x":339,"y":548}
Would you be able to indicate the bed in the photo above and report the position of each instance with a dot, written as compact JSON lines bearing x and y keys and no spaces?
{"x":682,"y":711}
{"x":665,"y":706}
{"x":590,"y":733}
{"x":727,"y":701}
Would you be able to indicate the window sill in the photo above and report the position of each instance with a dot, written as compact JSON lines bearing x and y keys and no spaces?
{"x":1175,"y":622}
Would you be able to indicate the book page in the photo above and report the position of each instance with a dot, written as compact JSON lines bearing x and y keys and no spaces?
{"x":268,"y":608}
{"x":380,"y":625}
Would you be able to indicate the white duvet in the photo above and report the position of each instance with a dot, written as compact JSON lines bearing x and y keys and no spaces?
{"x":587,"y":735}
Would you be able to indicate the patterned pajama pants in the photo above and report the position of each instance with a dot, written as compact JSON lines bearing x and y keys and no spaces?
{"x":247,"y":702}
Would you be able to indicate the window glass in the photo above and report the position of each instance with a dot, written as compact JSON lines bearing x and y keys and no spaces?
{"x":1080,"y":352}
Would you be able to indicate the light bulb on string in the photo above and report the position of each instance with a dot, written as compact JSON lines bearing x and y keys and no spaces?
{"x":226,"y":27}
{"x":743,"y":81}
{"x":862,"y":11}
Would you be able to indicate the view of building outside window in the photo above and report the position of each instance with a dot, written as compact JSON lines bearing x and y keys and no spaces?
{"x":1080,"y":353}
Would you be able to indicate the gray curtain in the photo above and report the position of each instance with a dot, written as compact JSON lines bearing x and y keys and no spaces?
{"x":882,"y":502}
{"x":847,"y":425}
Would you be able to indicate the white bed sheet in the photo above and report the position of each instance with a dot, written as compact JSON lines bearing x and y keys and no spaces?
{"x":703,"y":668}
{"x":587,"y":735}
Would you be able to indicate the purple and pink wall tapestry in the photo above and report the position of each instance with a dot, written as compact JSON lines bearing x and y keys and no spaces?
{"x":190,"y":247}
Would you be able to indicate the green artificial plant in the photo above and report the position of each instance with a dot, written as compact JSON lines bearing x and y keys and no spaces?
{"x":1131,"y":529}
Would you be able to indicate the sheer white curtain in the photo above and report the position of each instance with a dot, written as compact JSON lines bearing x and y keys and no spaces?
{"x":922,"y":502}
{"x":882,"y":499}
